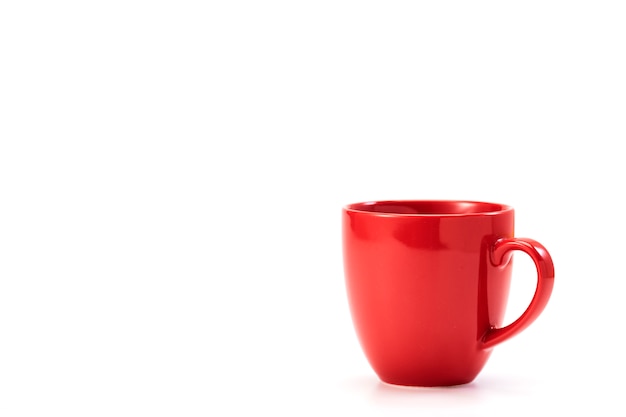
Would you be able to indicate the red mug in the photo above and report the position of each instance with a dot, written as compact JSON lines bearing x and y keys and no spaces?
{"x":428,"y":282}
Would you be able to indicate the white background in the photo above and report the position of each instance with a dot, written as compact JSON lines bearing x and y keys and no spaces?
{"x":172,"y":174}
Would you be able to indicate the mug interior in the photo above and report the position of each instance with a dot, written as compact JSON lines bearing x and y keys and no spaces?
{"x":429,"y":207}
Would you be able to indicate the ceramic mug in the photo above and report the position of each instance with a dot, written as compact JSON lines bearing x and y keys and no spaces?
{"x":428,"y":282}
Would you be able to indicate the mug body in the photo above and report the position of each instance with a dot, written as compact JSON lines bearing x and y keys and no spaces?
{"x":421,"y":288}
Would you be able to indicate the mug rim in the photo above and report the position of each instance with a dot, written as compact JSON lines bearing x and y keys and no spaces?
{"x":461,"y":208}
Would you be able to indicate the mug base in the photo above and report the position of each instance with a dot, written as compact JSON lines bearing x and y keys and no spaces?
{"x":426,"y":383}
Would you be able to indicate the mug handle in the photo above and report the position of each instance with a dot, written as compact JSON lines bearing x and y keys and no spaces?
{"x":500,"y":256}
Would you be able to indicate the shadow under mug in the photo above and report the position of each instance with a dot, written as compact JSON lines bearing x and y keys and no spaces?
{"x":428,"y":283}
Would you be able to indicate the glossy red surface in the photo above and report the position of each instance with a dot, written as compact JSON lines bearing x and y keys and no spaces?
{"x":428,"y":283}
